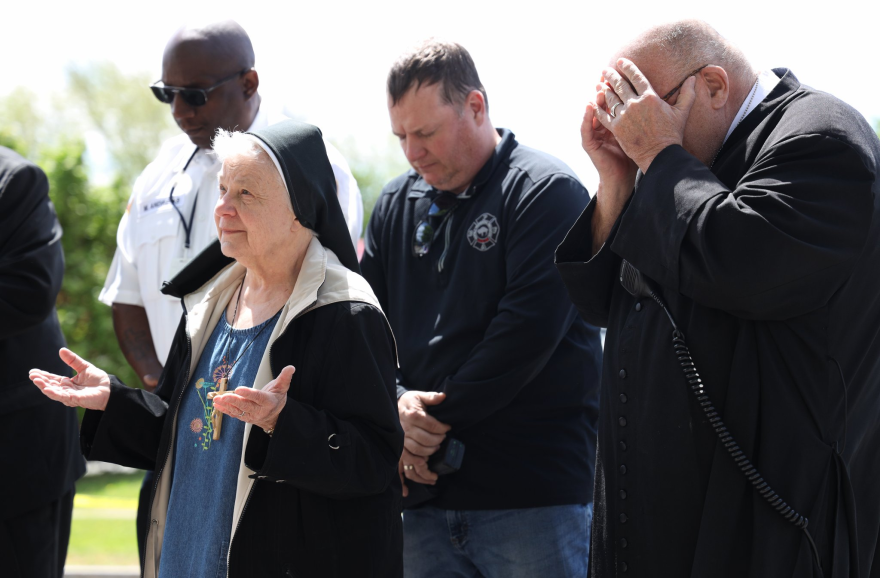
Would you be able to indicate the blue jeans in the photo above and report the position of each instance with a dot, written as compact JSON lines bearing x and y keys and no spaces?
{"x":552,"y":541}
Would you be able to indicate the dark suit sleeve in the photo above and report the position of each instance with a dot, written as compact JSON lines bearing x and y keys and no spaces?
{"x":778,"y":245}
{"x":128,"y":431}
{"x":358,"y":414}
{"x":533,"y":315}
{"x":588,"y":278}
{"x":31,"y":258}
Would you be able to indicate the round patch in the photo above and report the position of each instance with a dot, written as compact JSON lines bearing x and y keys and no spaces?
{"x":483,"y":233}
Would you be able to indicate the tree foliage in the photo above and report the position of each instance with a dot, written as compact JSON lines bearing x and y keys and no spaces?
{"x":373,"y":168}
{"x":21,"y":123}
{"x":132,"y":124}
{"x":101,"y":100}
{"x":89,"y":217}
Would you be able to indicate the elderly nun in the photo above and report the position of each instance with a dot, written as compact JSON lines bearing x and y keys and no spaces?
{"x":274,"y":429}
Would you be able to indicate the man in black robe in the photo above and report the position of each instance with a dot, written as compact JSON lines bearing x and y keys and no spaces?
{"x":39,"y":446}
{"x":750,"y":205}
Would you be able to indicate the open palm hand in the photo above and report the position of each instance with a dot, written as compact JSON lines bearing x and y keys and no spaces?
{"x":260,"y":407}
{"x":89,"y":388}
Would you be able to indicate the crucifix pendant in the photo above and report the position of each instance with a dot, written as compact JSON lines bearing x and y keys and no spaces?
{"x":216,"y":416}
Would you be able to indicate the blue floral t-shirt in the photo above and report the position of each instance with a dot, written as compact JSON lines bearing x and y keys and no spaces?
{"x":198,"y":525}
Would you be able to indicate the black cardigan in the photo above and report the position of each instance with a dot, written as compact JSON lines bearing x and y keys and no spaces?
{"x":313,"y":511}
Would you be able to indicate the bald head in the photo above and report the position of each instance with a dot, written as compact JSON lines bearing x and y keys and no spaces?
{"x":675,"y":49}
{"x":217,"y":57}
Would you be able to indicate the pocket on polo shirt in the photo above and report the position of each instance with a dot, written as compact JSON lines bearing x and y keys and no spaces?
{"x":156,"y":245}
{"x":153,"y":227}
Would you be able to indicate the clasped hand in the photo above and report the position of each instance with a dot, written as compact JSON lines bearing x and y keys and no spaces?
{"x":423,"y":435}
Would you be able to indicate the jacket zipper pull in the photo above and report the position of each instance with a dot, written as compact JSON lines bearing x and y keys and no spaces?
{"x":155,"y":529}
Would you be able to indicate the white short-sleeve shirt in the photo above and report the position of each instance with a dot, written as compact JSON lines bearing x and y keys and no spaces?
{"x":151,"y":237}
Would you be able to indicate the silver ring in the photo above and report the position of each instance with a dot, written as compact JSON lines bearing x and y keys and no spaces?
{"x":332,"y":447}
{"x":241,"y":416}
{"x":612,"y":110}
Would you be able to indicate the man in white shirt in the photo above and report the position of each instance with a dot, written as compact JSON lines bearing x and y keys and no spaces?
{"x":169,"y":218}
{"x":208,"y":78}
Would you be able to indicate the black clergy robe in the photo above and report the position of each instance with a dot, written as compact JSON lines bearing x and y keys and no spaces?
{"x":770,"y":265}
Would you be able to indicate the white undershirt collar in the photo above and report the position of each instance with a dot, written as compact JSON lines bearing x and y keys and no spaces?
{"x":767,"y":81}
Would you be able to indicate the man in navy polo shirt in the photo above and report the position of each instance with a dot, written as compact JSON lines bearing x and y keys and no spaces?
{"x":459,"y":251}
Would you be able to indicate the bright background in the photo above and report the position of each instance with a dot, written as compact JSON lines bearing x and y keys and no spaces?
{"x":539,"y":61}
{"x":326,"y":63}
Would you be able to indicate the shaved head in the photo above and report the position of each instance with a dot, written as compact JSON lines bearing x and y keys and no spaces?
{"x":224,"y":41}
{"x":209,"y":56}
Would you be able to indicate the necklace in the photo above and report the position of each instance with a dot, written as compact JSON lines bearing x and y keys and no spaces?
{"x":741,"y":118}
{"x":187,"y":227}
{"x":216,"y":416}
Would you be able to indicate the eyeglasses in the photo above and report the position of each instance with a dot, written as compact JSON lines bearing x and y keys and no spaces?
{"x":426,"y":231}
{"x":680,"y":84}
{"x":191,"y":96}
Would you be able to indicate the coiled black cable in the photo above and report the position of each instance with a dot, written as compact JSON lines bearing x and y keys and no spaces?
{"x":749,"y":471}
{"x":635,"y":284}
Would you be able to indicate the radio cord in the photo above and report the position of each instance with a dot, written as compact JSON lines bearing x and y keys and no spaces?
{"x":699,"y":390}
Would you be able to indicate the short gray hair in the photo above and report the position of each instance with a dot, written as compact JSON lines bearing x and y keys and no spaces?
{"x":228,"y":144}
{"x":689,"y":44}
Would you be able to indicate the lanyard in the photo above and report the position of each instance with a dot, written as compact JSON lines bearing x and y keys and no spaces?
{"x":192,"y":215}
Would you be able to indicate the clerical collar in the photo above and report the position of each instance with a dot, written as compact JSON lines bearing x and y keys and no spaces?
{"x":767,"y":81}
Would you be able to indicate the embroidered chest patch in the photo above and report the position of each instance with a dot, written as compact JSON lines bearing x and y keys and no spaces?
{"x":483,"y":233}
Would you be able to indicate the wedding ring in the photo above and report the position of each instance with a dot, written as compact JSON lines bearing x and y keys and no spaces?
{"x":241,"y":416}
{"x":612,"y":110}
{"x":409,"y":467}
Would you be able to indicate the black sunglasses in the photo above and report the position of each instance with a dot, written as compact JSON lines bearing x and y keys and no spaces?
{"x":426,"y":231}
{"x":191,"y":96}
{"x":680,"y":84}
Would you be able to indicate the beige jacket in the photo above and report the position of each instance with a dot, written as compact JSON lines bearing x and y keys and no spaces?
{"x":322,"y":281}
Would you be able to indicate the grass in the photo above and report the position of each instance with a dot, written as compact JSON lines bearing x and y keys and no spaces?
{"x":103,"y":532}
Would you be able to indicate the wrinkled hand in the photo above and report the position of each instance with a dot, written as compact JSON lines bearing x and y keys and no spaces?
{"x":643,"y":124}
{"x":423,"y":435}
{"x":261,"y":407}
{"x":617,"y":172}
{"x":615,"y":168}
{"x":89,"y":388}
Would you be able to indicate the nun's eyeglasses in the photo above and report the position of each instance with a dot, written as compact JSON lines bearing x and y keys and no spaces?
{"x":426,"y":230}
{"x":191,"y":96}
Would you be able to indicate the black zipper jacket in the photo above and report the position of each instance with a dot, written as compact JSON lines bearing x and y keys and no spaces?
{"x":484,"y":317}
